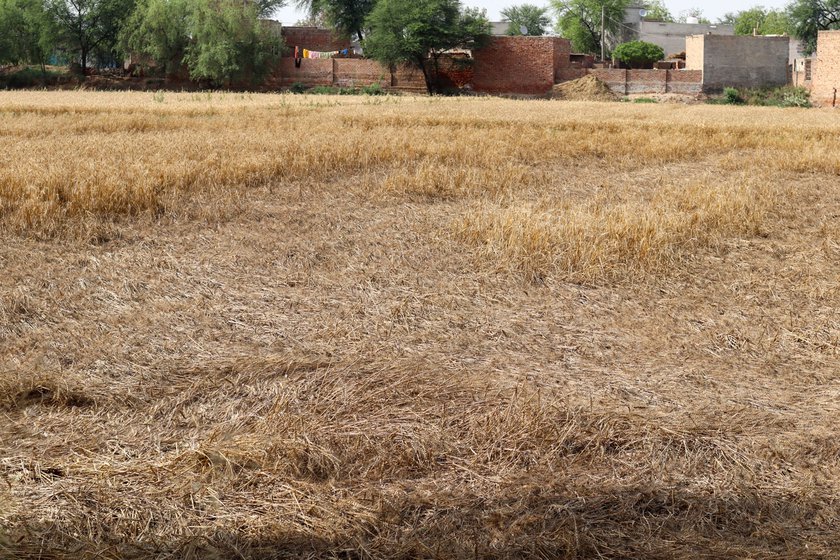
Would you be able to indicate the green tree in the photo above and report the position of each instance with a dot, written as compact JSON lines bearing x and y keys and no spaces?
{"x":90,"y":27}
{"x":766,"y":22}
{"x":418,"y":32}
{"x":580,"y":21}
{"x":657,"y":11}
{"x":534,"y":18}
{"x":696,"y":13}
{"x":346,"y":16}
{"x":808,"y":17}
{"x":159,"y":29}
{"x":228,"y":42}
{"x":27,"y":34}
{"x":638,"y":54}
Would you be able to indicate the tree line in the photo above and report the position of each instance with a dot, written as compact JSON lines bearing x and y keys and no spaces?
{"x":217,"y":40}
{"x":221,"y":41}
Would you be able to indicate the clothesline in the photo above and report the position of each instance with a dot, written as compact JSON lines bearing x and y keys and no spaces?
{"x":326,"y":54}
{"x":306,"y":53}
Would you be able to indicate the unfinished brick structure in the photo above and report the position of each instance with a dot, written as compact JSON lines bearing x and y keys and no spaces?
{"x":825,"y":87}
{"x":520,"y":65}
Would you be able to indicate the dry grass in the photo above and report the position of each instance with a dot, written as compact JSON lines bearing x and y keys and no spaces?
{"x":266,"y":327}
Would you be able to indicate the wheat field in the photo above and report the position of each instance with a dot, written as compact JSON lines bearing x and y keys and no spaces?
{"x":276,"y":326}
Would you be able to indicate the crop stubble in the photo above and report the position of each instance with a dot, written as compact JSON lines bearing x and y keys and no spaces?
{"x":303,"y":326}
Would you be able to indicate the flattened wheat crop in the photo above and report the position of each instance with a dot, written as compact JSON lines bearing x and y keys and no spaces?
{"x":277,"y":326}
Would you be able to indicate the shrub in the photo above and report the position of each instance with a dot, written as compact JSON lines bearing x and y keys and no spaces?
{"x":644,"y":100}
{"x":795,"y":97}
{"x":324,"y":90}
{"x":29,"y":78}
{"x":638,"y":54}
{"x":732,"y":96}
{"x":297,"y":87}
{"x":373,"y":89}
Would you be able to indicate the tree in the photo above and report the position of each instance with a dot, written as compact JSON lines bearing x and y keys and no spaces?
{"x":159,"y":29}
{"x":580,"y":21}
{"x":26,"y":32}
{"x":765,"y":22}
{"x":807,"y":17}
{"x":533,"y":18}
{"x":88,"y":27}
{"x":346,"y":16}
{"x":420,"y":31}
{"x":638,"y":54}
{"x":656,"y":11}
{"x":696,"y":13}
{"x":228,"y":42}
{"x":313,"y":20}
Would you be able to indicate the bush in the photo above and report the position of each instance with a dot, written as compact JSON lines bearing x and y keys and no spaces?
{"x":796,"y":97}
{"x":644,"y":100}
{"x":29,"y":78}
{"x":373,"y":89}
{"x":732,"y":96}
{"x":785,"y":96}
{"x":638,"y":54}
{"x":297,"y":87}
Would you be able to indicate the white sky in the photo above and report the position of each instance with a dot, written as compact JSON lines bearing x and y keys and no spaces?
{"x":712,"y":10}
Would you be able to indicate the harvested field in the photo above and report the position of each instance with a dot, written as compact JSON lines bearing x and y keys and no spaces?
{"x":268,"y":326}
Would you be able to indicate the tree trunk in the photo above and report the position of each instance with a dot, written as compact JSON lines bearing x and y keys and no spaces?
{"x":421,"y":62}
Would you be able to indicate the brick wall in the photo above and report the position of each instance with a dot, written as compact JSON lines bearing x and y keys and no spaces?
{"x":567,"y":74}
{"x":312,"y":38}
{"x":624,"y":82}
{"x":354,"y":72}
{"x":826,"y":69}
{"x":343,"y":72}
{"x":523,"y":65}
{"x":312,"y":72}
{"x":685,"y":81}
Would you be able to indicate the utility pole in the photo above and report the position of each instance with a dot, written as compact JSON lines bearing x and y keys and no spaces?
{"x":603,"y":35}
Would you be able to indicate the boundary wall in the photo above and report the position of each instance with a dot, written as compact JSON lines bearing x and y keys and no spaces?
{"x":625,"y":82}
{"x":344,"y":72}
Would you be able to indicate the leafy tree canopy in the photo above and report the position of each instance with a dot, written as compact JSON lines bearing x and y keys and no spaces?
{"x":27,"y":33}
{"x":90,"y":27}
{"x":159,"y":29}
{"x":766,"y":22}
{"x":534,"y":18}
{"x":580,"y":21}
{"x":347,"y":16}
{"x":807,"y":17}
{"x":228,"y":42}
{"x":657,"y":11}
{"x":638,"y":54}
{"x":418,"y":32}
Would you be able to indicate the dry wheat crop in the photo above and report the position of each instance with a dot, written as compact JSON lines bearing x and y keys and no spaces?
{"x":268,"y":326}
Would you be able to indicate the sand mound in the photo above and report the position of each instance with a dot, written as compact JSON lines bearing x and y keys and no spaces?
{"x":588,"y":88}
